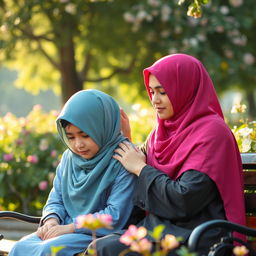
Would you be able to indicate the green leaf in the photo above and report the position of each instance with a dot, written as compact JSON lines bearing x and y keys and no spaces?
{"x":157,"y":232}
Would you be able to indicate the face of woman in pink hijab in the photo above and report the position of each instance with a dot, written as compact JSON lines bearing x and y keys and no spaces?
{"x":160,"y":99}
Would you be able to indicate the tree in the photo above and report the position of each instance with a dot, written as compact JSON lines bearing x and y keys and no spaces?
{"x":70,"y":43}
{"x":89,"y":42}
{"x":223,"y":38}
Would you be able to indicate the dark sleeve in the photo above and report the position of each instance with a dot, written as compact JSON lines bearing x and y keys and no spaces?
{"x":166,"y":198}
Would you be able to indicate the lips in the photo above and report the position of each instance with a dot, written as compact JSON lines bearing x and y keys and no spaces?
{"x":159,"y":109}
{"x":83,"y":152}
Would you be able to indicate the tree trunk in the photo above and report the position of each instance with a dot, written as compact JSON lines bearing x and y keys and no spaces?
{"x":70,"y":82}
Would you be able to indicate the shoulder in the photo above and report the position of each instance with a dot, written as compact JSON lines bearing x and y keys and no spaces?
{"x":122,"y":172}
{"x":214,"y":128}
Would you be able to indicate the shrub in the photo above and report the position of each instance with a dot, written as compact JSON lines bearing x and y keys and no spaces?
{"x":29,"y":153}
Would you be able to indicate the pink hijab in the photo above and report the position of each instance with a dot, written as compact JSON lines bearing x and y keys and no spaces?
{"x":196,"y":137}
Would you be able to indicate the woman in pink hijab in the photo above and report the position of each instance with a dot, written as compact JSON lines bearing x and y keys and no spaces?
{"x":190,"y":171}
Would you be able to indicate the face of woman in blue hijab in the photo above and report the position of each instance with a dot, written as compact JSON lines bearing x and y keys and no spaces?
{"x":80,"y":142}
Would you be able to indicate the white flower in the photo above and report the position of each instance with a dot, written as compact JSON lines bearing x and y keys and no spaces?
{"x":228,"y":53}
{"x":165,"y":12}
{"x":246,"y":144}
{"x":154,"y":3}
{"x":242,"y":40}
{"x":236,"y":3}
{"x":141,"y":15}
{"x":193,"y":42}
{"x":129,"y":17}
{"x":219,"y":29}
{"x":245,"y":132}
{"x":248,"y":59}
{"x":44,"y":145}
{"x":201,"y":37}
{"x":224,"y":9}
{"x":238,"y":108}
{"x":70,"y":8}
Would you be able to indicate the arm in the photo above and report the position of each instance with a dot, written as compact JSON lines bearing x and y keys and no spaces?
{"x":180,"y":199}
{"x":119,"y":202}
{"x":54,"y":205}
{"x":125,"y":124}
{"x":54,"y":212}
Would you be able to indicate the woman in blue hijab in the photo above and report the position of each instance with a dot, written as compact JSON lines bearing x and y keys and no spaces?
{"x":88,"y":179}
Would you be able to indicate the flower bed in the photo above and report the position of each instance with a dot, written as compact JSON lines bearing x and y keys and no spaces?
{"x":29,"y":153}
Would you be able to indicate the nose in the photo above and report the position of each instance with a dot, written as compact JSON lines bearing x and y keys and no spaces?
{"x":79,"y":144}
{"x":155,"y":98}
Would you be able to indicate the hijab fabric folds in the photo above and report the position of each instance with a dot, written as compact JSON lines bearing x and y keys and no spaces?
{"x":196,"y":137}
{"x":83,"y":181}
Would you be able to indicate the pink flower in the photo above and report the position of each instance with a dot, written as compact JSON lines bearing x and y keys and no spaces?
{"x":53,"y":153}
{"x":133,"y":234}
{"x":43,"y":185}
{"x":94,"y":222}
{"x":105,"y":219}
{"x":142,"y":246}
{"x":37,"y":107}
{"x":169,"y":242}
{"x":8,"y":157}
{"x":33,"y":159}
{"x":19,"y":141}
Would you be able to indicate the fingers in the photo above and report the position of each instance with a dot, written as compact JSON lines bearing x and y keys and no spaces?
{"x":43,"y":232}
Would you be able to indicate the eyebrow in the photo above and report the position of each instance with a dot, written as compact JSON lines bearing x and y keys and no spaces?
{"x":70,"y":133}
{"x":157,"y":87}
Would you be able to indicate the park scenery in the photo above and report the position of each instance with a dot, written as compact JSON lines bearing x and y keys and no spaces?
{"x":60,"y":47}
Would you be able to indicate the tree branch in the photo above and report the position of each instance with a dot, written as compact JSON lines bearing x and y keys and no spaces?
{"x":30,"y":34}
{"x":51,"y":60}
{"x":114,"y":72}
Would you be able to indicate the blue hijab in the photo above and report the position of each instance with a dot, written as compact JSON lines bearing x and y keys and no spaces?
{"x":83,"y":181}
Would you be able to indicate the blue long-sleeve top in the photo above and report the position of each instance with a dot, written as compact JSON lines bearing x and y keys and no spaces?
{"x":116,"y":201}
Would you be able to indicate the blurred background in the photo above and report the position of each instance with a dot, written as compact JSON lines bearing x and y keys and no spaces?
{"x":51,"y":49}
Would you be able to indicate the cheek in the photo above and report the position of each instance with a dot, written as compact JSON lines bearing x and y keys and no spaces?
{"x":71,"y":144}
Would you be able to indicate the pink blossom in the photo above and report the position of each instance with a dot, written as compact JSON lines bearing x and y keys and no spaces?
{"x":43,"y":185}
{"x":25,"y":132}
{"x":19,"y":141}
{"x":53,"y":153}
{"x":106,"y":219}
{"x":142,"y":246}
{"x":133,"y":234}
{"x":8,"y":157}
{"x":169,"y":242}
{"x":33,"y":159}
{"x":55,"y":113}
{"x":37,"y":107}
{"x":94,"y":222}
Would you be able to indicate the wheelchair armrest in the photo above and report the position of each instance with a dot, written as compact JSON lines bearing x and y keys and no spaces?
{"x":19,"y":216}
{"x":198,"y":232}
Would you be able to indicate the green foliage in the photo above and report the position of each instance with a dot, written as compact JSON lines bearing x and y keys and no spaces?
{"x":29,"y":151}
{"x":90,"y":42}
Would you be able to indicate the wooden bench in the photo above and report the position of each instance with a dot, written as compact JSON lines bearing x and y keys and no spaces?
{"x":249,"y":166}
